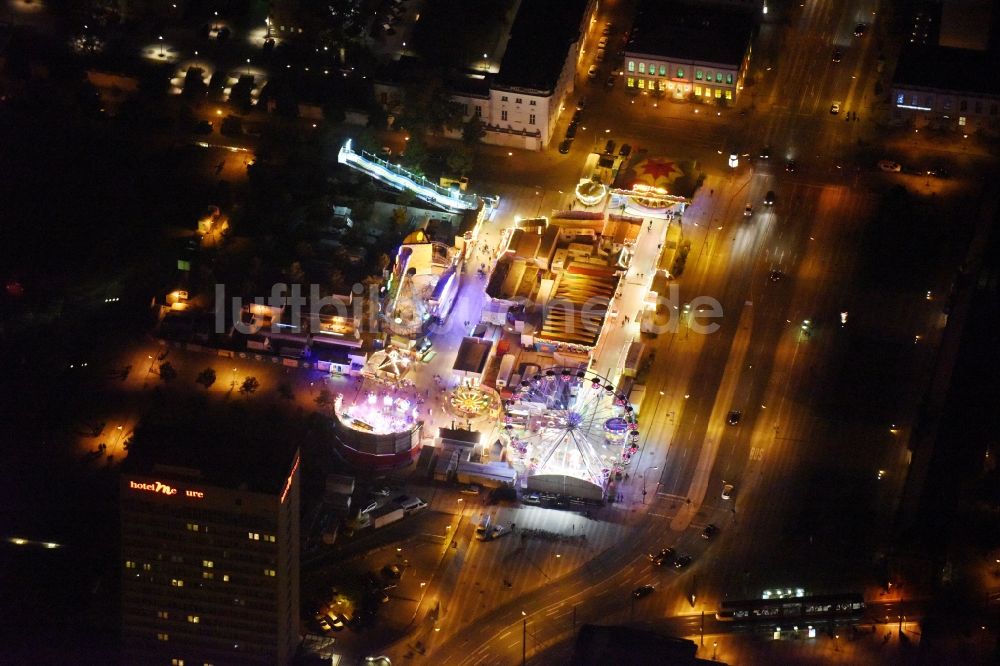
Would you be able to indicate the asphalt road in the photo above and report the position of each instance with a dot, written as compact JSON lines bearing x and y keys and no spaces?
{"x":791,"y":447}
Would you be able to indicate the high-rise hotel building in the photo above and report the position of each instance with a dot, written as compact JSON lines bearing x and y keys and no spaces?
{"x":210,"y":556}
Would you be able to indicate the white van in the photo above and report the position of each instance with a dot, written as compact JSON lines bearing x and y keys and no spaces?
{"x":411,"y":504}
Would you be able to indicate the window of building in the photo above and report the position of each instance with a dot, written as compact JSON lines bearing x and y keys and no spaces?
{"x":663,"y":70}
{"x":208,"y":575}
{"x":642,"y":68}
{"x":962,"y":106}
{"x":253,"y":536}
{"x":708,"y":92}
{"x":194,"y":619}
{"x":630,"y":82}
{"x":680,"y":73}
{"x":176,"y":662}
{"x":176,"y":582}
{"x":900,"y":99}
{"x":729,"y":94}
{"x":531,"y":119}
{"x":532,"y":102}
{"x":465,"y":109}
{"x":503,"y":98}
{"x":225,"y":578}
{"x":961,"y":121}
{"x":503,"y":115}
{"x":698,"y":75}
{"x":718,"y":93}
{"x":162,"y":637}
{"x":517,"y":100}
{"x":163,"y":615}
{"x":479,"y":114}
{"x":271,"y":537}
{"x":652,"y":69}
{"x":129,"y":564}
{"x":631,"y":65}
{"x":947,"y":105}
{"x":729,"y":79}
{"x":718,"y":77}
{"x":193,"y":527}
{"x":697,"y":91}
{"x":208,"y":564}
{"x":269,"y":572}
{"x":147,"y":566}
{"x":663,"y":85}
{"x":642,"y":84}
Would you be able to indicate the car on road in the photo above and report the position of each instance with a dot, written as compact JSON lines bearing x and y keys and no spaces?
{"x":775,"y":276}
{"x":592,"y":73}
{"x":859,"y":29}
{"x":709,"y":531}
{"x":602,"y":42}
{"x":565,"y":146}
{"x":577,"y":115}
{"x":748,"y":211}
{"x":733,"y":417}
{"x":571,"y":131}
{"x":835,"y":108}
{"x":601,"y":54}
{"x":608,"y":29}
{"x":642,"y":591}
{"x":581,"y":104}
{"x":625,"y":150}
{"x":765,"y":152}
{"x":323,"y":623}
{"x":665,"y":556}
{"x":610,"y":83}
{"x":837,"y":55}
{"x":769,"y":198}
{"x":393,"y":571}
{"x":682,"y":561}
{"x":889,"y":165}
{"x":790,"y":166}
{"x":727,"y":491}
{"x":938,"y":171}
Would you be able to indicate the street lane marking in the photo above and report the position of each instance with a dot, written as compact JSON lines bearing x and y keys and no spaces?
{"x":757,"y":453}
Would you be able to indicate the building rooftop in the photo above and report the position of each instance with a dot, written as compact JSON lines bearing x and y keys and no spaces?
{"x":237,"y":449}
{"x":944,"y":68}
{"x":539,"y":43}
{"x":472,"y":355}
{"x":713,"y":34}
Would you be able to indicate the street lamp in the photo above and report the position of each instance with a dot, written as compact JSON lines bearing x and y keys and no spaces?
{"x":162,"y":54}
{"x":644,"y":482}
{"x":248,"y":66}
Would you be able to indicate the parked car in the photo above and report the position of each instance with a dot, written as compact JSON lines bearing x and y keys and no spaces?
{"x":709,"y":531}
{"x":393,"y":571}
{"x":727,"y":491}
{"x":581,"y":104}
{"x":776,"y":276}
{"x":610,"y":82}
{"x":835,"y":108}
{"x":564,"y":148}
{"x":733,"y":418}
{"x":682,"y":561}
{"x":837,"y":55}
{"x":592,"y":73}
{"x":889,"y":165}
{"x":203,"y":127}
{"x":571,"y":131}
{"x":642,"y":591}
{"x":323,"y":623}
{"x":748,"y":210}
{"x":765,"y":152}
{"x":576,"y":116}
{"x":625,"y":150}
{"x":859,"y":29}
{"x":602,"y":42}
{"x":790,"y":166}
{"x":609,"y":147}
{"x":533,"y":498}
{"x":601,"y":53}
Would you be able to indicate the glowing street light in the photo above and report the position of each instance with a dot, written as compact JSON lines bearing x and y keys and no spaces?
{"x":162,"y":54}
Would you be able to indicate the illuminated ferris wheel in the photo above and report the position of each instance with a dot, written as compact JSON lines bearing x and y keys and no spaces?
{"x":570,"y":422}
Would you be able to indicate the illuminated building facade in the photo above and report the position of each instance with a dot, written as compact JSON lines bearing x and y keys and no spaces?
{"x":210,"y":560}
{"x":684,"y":51}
